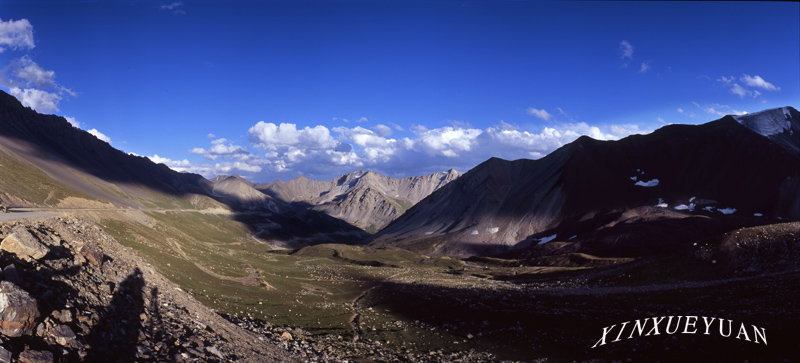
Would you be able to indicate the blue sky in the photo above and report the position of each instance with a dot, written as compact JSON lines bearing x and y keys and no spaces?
{"x":276,"y":89}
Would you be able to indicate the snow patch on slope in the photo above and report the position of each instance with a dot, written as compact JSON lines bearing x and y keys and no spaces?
{"x":649,"y":183}
{"x":547,"y":239}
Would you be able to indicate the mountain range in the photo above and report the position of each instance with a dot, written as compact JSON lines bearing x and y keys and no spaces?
{"x":364,"y":199}
{"x":638,"y":195}
{"x":50,"y":163}
{"x":606,"y":198}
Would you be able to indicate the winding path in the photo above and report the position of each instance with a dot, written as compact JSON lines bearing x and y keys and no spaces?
{"x":355,"y":319}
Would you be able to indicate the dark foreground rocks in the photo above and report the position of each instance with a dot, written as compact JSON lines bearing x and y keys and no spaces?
{"x":71,"y":293}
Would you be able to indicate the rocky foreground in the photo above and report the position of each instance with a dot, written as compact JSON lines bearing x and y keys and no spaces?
{"x":69,"y":292}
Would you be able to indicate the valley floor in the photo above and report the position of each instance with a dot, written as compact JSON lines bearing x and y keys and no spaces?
{"x":337,"y":303}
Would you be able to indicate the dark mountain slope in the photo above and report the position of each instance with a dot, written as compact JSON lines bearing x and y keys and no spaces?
{"x":49,"y":139}
{"x":701,"y":171}
{"x":69,"y":165}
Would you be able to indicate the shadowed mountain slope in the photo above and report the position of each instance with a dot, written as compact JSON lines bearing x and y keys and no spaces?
{"x":692,"y":173}
{"x":48,"y":162}
{"x":81,"y":161}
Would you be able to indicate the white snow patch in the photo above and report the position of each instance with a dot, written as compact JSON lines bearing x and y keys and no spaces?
{"x":547,"y":239}
{"x":427,"y":233}
{"x":649,"y":183}
{"x":709,"y":208}
{"x":474,"y":232}
{"x":727,"y":210}
{"x":633,"y":178}
{"x":492,"y":230}
{"x":758,"y":215}
{"x":573,"y":237}
{"x":683,"y":207}
{"x":662,"y":204}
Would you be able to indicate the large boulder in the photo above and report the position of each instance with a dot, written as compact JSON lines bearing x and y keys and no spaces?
{"x":92,"y":254}
{"x":36,"y":356}
{"x":23,"y":244}
{"x":18,"y":311}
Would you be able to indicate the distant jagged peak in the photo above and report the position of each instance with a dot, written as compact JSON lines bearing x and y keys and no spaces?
{"x":229,"y":179}
{"x":771,"y":121}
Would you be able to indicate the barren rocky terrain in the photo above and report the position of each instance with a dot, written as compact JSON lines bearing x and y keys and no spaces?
{"x":71,"y":293}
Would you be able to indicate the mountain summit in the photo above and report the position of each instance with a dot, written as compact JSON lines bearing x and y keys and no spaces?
{"x":777,"y":124}
{"x":365,"y":199}
{"x":700,"y":175}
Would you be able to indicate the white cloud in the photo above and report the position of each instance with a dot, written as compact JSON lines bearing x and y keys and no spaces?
{"x":719,"y":110}
{"x":749,"y":81}
{"x":397,"y":127}
{"x":41,"y":101}
{"x":32,"y":85}
{"x":207,"y":170}
{"x":624,"y":129}
{"x":16,"y":34}
{"x":757,"y":81}
{"x":361,"y":136}
{"x":726,"y":80}
{"x":174,"y":7}
{"x":686,"y":113}
{"x":626,"y":49}
{"x":219,"y":149}
{"x":227,"y":167}
{"x":268,"y":136}
{"x":446,"y":141}
{"x":74,"y":122}
{"x":184,"y":166}
{"x":542,"y":114}
{"x":739,"y":90}
{"x":382,"y":130}
{"x":322,"y":153}
{"x":661,"y":120}
{"x":99,"y":135}
{"x":645,"y":67}
{"x":33,"y":74}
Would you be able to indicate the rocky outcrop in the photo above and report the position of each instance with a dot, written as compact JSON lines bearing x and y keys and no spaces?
{"x":18,"y":311}
{"x":93,"y":300}
{"x":24,"y":245}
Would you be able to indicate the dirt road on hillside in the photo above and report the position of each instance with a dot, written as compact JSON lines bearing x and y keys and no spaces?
{"x":13,"y":215}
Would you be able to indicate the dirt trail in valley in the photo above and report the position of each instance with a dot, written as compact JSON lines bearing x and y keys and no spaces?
{"x":253,"y":280}
{"x":355,"y":319}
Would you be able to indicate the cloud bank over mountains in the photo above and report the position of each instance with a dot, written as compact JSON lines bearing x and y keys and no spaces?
{"x":286,"y":151}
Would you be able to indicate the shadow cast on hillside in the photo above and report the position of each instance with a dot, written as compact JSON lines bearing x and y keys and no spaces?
{"x":116,"y":335}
